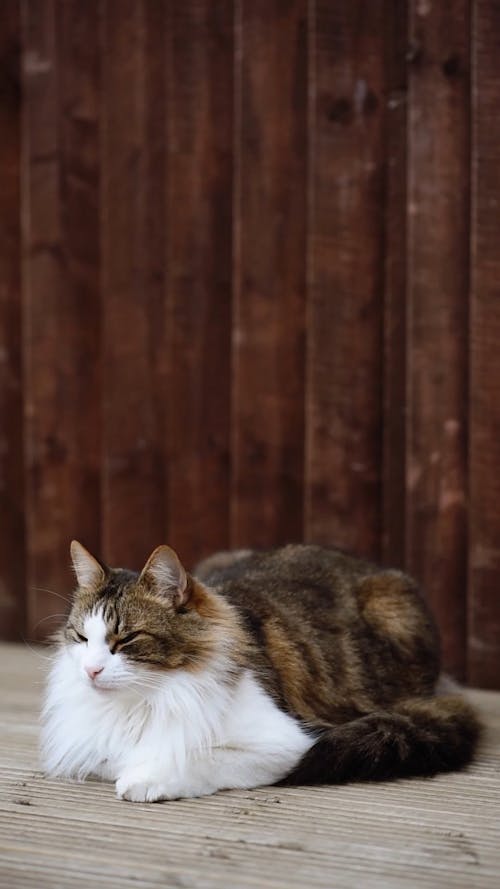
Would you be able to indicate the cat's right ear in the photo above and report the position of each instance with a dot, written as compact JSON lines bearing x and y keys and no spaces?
{"x":167,"y":575}
{"x":89,"y":572}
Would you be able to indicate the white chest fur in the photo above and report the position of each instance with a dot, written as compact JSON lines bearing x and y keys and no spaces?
{"x":169,"y":735}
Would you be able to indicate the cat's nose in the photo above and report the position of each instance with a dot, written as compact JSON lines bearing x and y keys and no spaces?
{"x":92,"y":672}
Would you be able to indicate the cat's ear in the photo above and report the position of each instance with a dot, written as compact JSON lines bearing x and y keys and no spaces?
{"x":165,"y":572}
{"x":89,"y":572}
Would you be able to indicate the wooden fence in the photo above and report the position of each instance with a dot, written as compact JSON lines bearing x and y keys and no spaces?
{"x":250,"y":275}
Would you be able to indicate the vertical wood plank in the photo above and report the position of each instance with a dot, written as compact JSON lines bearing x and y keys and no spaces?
{"x":132,"y":219}
{"x":270,"y":272}
{"x":394,"y":401}
{"x":437,"y":313}
{"x":79,"y":129}
{"x":344,"y":389}
{"x":484,"y":516}
{"x":12,"y":537}
{"x":42,"y":300}
{"x":199,"y":269}
{"x":60,"y":295}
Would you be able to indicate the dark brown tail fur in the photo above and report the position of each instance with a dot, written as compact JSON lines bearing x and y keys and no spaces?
{"x":419,"y":737}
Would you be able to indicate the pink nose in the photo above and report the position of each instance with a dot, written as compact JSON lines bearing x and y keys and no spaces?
{"x":92,"y":672}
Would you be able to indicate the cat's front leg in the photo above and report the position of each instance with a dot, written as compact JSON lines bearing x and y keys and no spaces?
{"x":219,"y":769}
{"x":148,"y":777}
{"x":155,"y":772}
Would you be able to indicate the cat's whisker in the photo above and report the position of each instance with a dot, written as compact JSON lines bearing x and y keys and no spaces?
{"x":49,"y":617}
{"x":38,"y":654}
{"x":40,"y":589}
{"x":139,"y":683}
{"x":157,"y":683}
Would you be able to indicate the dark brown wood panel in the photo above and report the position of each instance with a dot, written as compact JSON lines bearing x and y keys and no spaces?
{"x":395,"y":266}
{"x":484,"y":514}
{"x":79,"y":130}
{"x":60,"y":296}
{"x":44,"y":336}
{"x":248,"y":291}
{"x":133,"y":341}
{"x":344,"y":392}
{"x":269,"y":271}
{"x":12,"y":536}
{"x":41,"y":297}
{"x":199,"y":273}
{"x":153,"y":251}
{"x":437,"y":313}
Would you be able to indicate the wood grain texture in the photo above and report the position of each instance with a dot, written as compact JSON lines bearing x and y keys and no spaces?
{"x":269,"y":272}
{"x":344,"y":391}
{"x":41,"y":300}
{"x":395,"y":280}
{"x":43,"y":284}
{"x":60,"y":296}
{"x":234,"y":291}
{"x":484,"y":393}
{"x":441,"y":833}
{"x":199,"y":274}
{"x":437,"y":314}
{"x":133,"y":343}
{"x":12,"y":527}
{"x":79,"y":131}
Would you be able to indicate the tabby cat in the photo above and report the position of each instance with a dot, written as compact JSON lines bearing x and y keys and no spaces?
{"x":296,"y":665}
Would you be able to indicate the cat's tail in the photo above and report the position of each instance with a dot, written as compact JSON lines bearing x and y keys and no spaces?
{"x":421,"y":736}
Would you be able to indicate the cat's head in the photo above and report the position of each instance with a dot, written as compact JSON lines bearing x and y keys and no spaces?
{"x":125,"y":627}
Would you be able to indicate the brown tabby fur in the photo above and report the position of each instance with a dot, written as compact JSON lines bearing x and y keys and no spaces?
{"x":342,"y":645}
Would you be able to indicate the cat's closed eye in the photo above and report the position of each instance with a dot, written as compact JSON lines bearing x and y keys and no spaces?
{"x":125,"y":640}
{"x":79,"y":637}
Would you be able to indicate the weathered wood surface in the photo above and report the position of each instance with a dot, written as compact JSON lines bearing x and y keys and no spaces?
{"x":198,"y":257}
{"x":133,"y":392}
{"x":484,"y":474}
{"x":60,"y":297}
{"x":438,"y":284}
{"x":12,"y":536}
{"x":443,"y":833}
{"x":344,"y":348}
{"x":395,"y":308}
{"x":269,"y":271}
{"x":248,"y":291}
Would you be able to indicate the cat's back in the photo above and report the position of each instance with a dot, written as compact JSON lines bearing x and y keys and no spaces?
{"x":296,"y":576}
{"x":341,"y":630}
{"x":298,"y":597}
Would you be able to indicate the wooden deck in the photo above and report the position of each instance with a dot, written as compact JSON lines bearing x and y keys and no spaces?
{"x":439,"y":833}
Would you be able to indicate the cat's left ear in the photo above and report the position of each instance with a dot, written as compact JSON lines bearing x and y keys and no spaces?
{"x":165,"y":572}
{"x":90,"y":573}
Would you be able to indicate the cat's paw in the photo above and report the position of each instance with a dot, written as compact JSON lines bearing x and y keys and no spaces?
{"x":139,"y":787}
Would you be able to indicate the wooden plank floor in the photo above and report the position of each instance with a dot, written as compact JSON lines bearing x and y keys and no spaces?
{"x":439,"y":833}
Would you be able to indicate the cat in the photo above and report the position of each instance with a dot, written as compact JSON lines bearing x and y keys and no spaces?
{"x":297,"y":665}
